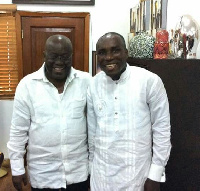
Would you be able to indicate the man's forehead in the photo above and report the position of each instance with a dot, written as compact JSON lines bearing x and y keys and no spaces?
{"x":109,"y":41}
{"x":109,"y":37}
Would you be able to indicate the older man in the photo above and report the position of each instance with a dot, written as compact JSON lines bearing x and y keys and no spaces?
{"x":49,"y":114}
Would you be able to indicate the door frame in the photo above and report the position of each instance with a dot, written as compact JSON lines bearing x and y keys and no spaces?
{"x":19,"y":34}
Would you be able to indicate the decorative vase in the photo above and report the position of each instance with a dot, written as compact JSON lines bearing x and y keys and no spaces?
{"x":141,"y":45}
{"x":198,"y":51}
{"x":161,"y":46}
{"x":184,"y":38}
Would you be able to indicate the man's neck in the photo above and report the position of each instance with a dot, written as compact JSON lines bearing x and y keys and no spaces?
{"x":117,"y":77}
{"x":59,"y":84}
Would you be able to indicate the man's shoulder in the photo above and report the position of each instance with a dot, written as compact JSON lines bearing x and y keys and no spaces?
{"x":30,"y":76}
{"x":28,"y":79}
{"x":82,"y":74}
{"x":99,"y":75}
{"x":143,"y":76}
{"x":136,"y":70}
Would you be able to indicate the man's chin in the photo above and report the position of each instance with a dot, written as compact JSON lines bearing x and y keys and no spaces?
{"x":59,"y":78}
{"x":61,"y":75}
{"x":114,"y":76}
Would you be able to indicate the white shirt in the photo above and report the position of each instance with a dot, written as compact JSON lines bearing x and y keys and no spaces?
{"x":123,"y":117}
{"x":54,"y":126}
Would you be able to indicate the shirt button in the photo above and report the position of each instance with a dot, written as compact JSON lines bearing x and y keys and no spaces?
{"x":116,"y":113}
{"x":115,"y":97}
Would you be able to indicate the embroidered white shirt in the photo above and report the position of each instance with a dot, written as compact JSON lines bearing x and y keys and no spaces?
{"x":124,"y":117}
{"x":55,"y":127}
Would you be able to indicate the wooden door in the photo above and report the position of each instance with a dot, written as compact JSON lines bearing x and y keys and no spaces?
{"x":37,"y":27}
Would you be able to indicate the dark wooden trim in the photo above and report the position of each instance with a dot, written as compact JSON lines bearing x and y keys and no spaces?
{"x":94,"y":63}
{"x":19,"y":45}
{"x":86,"y":50}
{"x":62,"y":2}
{"x":52,"y":14}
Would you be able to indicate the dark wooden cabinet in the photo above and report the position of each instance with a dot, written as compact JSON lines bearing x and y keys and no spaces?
{"x":182,"y":82}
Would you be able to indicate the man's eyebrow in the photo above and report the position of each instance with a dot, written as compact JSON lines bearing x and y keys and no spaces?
{"x":101,"y":49}
{"x":114,"y":47}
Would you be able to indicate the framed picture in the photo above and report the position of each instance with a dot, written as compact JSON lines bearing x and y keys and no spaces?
{"x":134,"y":19}
{"x":163,"y":11}
{"x":148,"y":16}
{"x":61,"y":2}
{"x":95,"y":67}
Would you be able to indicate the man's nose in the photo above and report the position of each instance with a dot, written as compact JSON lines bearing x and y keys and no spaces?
{"x":109,"y":56}
{"x":59,"y":59}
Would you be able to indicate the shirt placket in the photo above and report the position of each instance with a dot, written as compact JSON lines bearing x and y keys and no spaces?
{"x":116,"y":107}
{"x":63,"y":137}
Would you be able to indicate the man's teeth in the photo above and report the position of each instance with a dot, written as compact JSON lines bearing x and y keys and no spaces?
{"x":110,"y":66}
{"x":58,"y":68}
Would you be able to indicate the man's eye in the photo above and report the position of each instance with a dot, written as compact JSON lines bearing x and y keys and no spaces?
{"x":52,"y":57}
{"x":65,"y":57}
{"x":101,"y":53}
{"x":116,"y":50}
{"x":62,"y":57}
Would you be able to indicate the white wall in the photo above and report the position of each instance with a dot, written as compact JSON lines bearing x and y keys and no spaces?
{"x":177,"y":8}
{"x":5,"y":121}
{"x":106,"y":15}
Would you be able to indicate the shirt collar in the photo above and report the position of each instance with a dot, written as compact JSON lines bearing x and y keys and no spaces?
{"x":40,"y":74}
{"x":123,"y":76}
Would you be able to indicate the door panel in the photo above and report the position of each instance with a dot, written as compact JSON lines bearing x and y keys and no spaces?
{"x":39,"y":36}
{"x":36,"y":30}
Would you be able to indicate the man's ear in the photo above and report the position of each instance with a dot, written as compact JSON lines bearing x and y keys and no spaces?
{"x":44,"y":56}
{"x":126,"y":52}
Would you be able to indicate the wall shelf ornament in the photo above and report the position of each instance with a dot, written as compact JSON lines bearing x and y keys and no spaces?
{"x":141,"y":46}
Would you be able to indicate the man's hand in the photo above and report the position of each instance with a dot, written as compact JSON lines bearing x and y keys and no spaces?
{"x":151,"y":185}
{"x":18,"y":180}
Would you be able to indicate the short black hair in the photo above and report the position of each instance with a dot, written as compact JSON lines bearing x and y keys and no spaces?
{"x":114,"y":34}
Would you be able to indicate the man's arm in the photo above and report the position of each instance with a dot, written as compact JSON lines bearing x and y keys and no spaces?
{"x":18,"y":180}
{"x":18,"y":136}
{"x":160,"y":119}
{"x":151,"y":185}
{"x":91,"y":121}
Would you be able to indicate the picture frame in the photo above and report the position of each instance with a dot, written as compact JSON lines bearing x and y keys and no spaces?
{"x":58,"y":2}
{"x":164,"y":4}
{"x":95,"y":67}
{"x":148,"y":16}
{"x":134,"y":19}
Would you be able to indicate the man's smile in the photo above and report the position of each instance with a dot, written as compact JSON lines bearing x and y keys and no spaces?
{"x":59,"y":68}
